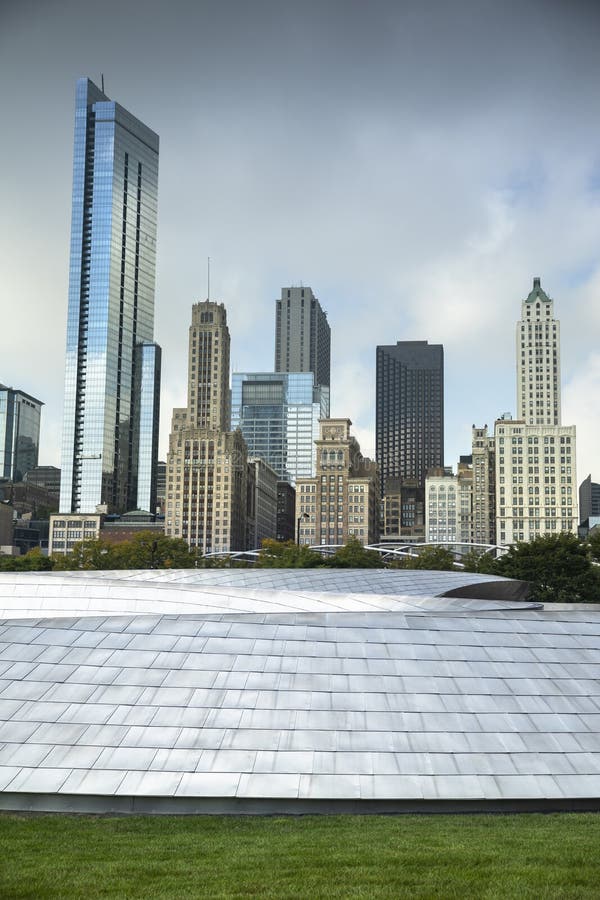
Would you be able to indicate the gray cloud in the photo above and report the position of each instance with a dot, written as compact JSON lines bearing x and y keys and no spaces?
{"x":416,"y":164}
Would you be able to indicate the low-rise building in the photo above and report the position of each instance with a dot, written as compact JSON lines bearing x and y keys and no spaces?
{"x":68,"y":530}
{"x":342,"y":501}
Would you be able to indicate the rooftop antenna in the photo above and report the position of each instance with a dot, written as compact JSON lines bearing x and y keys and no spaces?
{"x":102,"y":81}
{"x":208,"y":277}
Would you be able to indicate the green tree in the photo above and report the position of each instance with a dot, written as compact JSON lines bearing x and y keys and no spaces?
{"x":430,"y":558}
{"x":147,"y":550}
{"x":477,"y":560}
{"x":557,"y":566}
{"x":287,"y":555}
{"x":354,"y":556}
{"x":91,"y":554}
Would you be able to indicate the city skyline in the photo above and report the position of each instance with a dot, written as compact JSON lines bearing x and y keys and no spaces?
{"x":412,"y":214}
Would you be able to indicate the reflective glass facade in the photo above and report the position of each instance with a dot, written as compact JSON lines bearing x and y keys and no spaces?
{"x":19,"y":433}
{"x":145,"y":434}
{"x":111,"y":303}
{"x":278,"y":414}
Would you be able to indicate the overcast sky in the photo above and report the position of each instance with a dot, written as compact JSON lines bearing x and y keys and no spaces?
{"x":415,"y":163}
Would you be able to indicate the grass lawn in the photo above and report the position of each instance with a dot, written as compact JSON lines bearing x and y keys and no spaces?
{"x":517,"y":856}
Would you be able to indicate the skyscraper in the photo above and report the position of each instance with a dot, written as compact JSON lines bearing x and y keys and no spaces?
{"x":535,"y":458}
{"x":409,"y":410}
{"x":19,"y":432}
{"x":112,"y":373}
{"x":302,"y":335}
{"x":207,"y":465}
{"x":538,"y":360}
{"x":278,"y":414}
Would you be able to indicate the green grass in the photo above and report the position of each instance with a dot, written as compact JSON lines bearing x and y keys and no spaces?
{"x":522,"y":856}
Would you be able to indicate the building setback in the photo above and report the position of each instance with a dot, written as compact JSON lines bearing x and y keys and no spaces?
{"x":302,"y":335}
{"x":342,"y":501}
{"x":112,"y":367}
{"x":538,"y":360}
{"x":409,"y":410}
{"x":19,"y":432}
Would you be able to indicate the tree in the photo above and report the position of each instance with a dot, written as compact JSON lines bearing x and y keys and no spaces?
{"x":287,"y":555}
{"x":147,"y":550}
{"x":90,"y":554}
{"x":557,"y":566}
{"x":354,"y":556}
{"x":435,"y":559}
{"x":33,"y":561}
{"x":477,"y":560}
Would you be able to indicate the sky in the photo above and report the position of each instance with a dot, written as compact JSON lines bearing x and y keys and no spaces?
{"x":415,"y":163}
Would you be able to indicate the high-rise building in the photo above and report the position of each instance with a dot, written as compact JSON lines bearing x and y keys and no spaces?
{"x":589,"y":499}
{"x":278,"y":414}
{"x":207,"y":465}
{"x":342,"y":501}
{"x":483,"y":453}
{"x":409,"y":412}
{"x":536,"y":475}
{"x":47,"y":477}
{"x":538,"y":360}
{"x":19,"y":432}
{"x":302,"y":335}
{"x":112,"y":367}
{"x":261,"y":504}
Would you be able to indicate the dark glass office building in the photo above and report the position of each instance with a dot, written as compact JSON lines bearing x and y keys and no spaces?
{"x":409,"y":410}
{"x":112,"y":367}
{"x":19,"y":432}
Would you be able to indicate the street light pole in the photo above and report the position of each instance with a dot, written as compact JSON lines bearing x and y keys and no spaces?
{"x":303,"y":516}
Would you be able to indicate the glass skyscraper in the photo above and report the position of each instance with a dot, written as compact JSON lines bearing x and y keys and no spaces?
{"x":19,"y":433}
{"x":278,"y":414}
{"x":112,"y":368}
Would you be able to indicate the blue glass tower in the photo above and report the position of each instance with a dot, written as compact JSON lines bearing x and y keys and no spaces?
{"x":19,"y":432}
{"x":278,"y":414}
{"x":105,"y":458}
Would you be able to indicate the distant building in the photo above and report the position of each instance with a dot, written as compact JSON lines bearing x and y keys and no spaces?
{"x":403,"y":511}
{"x":535,"y":456}
{"x":6,"y":529}
{"x":302,"y":335}
{"x":207,"y":465}
{"x":47,"y":477}
{"x":342,"y":501}
{"x":68,"y":530}
{"x":112,"y":367}
{"x":278,"y":413}
{"x":449,"y":505}
{"x":538,"y":360}
{"x":536,"y":481}
{"x":19,"y":432}
{"x":483,"y":453}
{"x":286,"y":512}
{"x":589,"y":499}
{"x":409,"y":410}
{"x":161,"y":487}
{"x":261,"y":504}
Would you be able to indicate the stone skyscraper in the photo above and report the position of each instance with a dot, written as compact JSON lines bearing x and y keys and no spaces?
{"x":409,"y":412}
{"x":535,"y":455}
{"x":112,"y":366}
{"x":206,"y":502}
{"x":302,"y":335}
{"x":538,"y":360}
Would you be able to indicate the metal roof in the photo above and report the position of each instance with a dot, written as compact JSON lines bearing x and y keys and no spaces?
{"x":287,"y":700}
